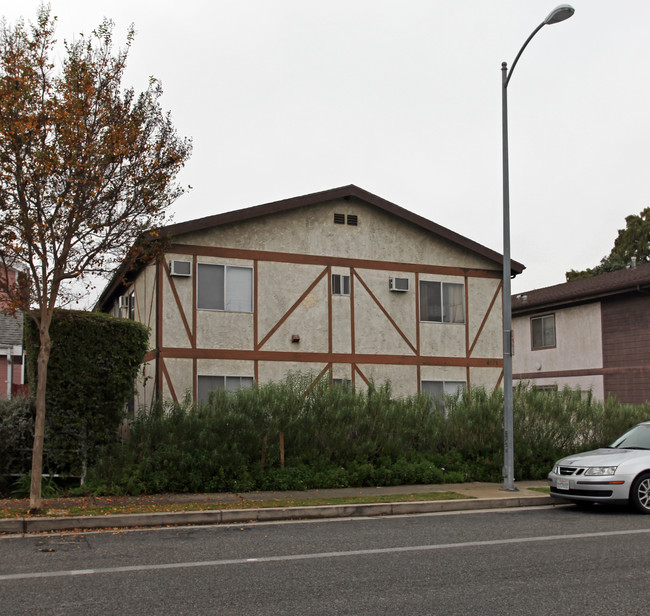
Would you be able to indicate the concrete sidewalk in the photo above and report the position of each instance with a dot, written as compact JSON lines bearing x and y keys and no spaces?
{"x":478,"y":496}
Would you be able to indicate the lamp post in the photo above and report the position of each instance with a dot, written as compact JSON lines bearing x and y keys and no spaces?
{"x":560,"y":13}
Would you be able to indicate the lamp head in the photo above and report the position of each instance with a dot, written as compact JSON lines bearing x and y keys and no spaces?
{"x":559,"y":13}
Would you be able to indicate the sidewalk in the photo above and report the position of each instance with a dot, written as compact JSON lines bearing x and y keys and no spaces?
{"x":476,"y":496}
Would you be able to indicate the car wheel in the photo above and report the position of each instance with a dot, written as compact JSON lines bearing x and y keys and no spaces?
{"x":640,"y":493}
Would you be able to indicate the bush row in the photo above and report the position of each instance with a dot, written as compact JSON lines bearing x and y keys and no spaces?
{"x":297,"y":435}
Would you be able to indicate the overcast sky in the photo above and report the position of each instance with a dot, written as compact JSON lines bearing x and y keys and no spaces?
{"x":403,"y":98}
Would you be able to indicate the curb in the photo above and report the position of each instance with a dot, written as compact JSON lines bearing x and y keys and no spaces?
{"x":239,"y":516}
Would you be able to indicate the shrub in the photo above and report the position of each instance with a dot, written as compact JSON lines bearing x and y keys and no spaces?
{"x":91,"y":372}
{"x":299,"y":434}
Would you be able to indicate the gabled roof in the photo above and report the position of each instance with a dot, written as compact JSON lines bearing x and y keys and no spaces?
{"x":344,"y":192}
{"x":584,"y":290}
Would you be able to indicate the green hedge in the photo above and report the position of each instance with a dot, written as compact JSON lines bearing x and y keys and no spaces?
{"x":332,"y":437}
{"x":91,"y":374}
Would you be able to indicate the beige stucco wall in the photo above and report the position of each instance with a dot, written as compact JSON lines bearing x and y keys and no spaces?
{"x":578,"y":335}
{"x":384,"y":322}
{"x":310,"y":230}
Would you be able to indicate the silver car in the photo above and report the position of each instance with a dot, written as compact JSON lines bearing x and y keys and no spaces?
{"x":617,"y":474}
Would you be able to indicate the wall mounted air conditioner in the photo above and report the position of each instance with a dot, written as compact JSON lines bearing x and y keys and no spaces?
{"x":398,"y":284}
{"x":180,"y":268}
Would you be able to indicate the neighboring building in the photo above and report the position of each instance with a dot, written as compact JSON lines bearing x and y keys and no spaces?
{"x":590,"y":334}
{"x":341,"y":284}
{"x":11,"y":351}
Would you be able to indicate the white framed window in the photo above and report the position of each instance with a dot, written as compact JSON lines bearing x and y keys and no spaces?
{"x":131,"y":306}
{"x":543,"y":331}
{"x":125,"y":306}
{"x":340,"y":284}
{"x":208,"y":382}
{"x":342,"y":383}
{"x":442,"y":302}
{"x":224,"y":287}
{"x":439,"y":389}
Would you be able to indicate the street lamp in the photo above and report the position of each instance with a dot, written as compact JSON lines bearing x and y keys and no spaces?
{"x":558,"y":14}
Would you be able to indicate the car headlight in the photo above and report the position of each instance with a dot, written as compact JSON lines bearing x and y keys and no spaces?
{"x":601,"y":470}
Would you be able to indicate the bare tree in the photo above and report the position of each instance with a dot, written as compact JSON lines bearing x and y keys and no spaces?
{"x":85,"y":168}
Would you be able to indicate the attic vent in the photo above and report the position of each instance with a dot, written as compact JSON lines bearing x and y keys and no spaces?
{"x":339,"y":219}
{"x":353,"y":220}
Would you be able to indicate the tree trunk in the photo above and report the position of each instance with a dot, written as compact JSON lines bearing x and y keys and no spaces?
{"x":35,"y":501}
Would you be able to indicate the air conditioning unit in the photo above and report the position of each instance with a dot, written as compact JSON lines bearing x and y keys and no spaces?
{"x":398,"y":284}
{"x":181,"y":268}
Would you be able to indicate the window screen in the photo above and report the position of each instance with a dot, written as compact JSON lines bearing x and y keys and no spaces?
{"x":442,"y":302}
{"x":210,"y":286}
{"x":226,"y":287}
{"x":543,"y":331}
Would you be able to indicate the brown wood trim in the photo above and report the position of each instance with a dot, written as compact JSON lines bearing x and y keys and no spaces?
{"x":151,"y":301}
{"x":336,"y":358}
{"x":417,"y":317}
{"x":353,"y":336}
{"x":159,"y":329}
{"x":195,"y":269}
{"x":467,"y":351}
{"x":419,"y":378}
{"x":138,"y":312}
{"x":256,"y":311}
{"x":485,"y":318}
{"x":322,"y":373}
{"x":290,"y":311}
{"x":195,"y":379}
{"x":168,"y":380}
{"x":305,"y":259}
{"x":357,"y":370}
{"x":330,"y":316}
{"x":553,"y":374}
{"x":390,"y":319}
{"x":177,"y":299}
{"x":149,"y":355}
{"x":499,"y":381}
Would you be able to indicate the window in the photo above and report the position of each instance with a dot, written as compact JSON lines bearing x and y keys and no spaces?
{"x":342,"y":383}
{"x":439,"y":389}
{"x":543,"y":331}
{"x":340,"y":284}
{"x":206,"y":384}
{"x":442,"y":302}
{"x":125,"y":306}
{"x":131,"y":306}
{"x":225,"y":287}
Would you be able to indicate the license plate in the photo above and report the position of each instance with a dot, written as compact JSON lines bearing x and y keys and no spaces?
{"x":562,"y":484}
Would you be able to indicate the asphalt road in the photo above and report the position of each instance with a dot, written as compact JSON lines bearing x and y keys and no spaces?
{"x":558,"y":560}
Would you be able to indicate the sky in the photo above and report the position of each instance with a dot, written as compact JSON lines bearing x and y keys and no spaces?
{"x":403,"y":98}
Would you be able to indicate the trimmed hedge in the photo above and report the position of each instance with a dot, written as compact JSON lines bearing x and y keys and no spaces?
{"x":91,"y":374}
{"x":332,"y":437}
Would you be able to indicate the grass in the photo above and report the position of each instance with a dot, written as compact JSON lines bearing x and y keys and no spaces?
{"x":86,"y":507}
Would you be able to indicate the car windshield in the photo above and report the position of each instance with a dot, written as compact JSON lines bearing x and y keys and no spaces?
{"x":636,"y":438}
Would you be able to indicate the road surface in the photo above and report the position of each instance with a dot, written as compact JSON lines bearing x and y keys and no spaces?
{"x":559,"y":560}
